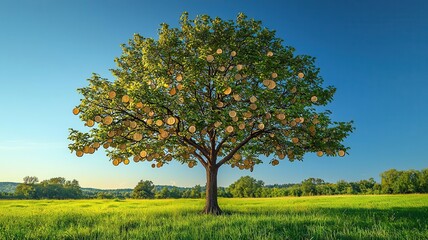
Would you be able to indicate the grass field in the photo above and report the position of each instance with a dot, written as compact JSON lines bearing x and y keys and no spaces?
{"x":330,"y":217}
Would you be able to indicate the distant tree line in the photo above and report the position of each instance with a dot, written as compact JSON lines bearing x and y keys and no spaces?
{"x":392,"y":182}
{"x":54,"y":188}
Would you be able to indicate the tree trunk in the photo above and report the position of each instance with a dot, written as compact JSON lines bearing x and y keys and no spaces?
{"x":211,"y":204}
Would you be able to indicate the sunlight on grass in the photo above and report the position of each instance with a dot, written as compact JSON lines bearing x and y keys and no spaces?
{"x":331,"y":217}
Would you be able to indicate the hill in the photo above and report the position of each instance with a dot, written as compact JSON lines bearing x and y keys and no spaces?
{"x":8,"y":187}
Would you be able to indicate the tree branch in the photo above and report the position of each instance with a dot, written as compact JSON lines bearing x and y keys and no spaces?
{"x":245,"y":141}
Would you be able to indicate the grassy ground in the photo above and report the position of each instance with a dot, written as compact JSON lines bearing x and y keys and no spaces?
{"x":330,"y":217}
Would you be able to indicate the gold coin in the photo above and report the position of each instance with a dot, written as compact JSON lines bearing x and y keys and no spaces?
{"x":236,"y":97}
{"x":235,"y":119}
{"x":222,"y":69}
{"x":112,"y":94}
{"x":79,"y":153}
{"x":274,"y":75}
{"x":125,"y":98}
{"x":320,"y":153}
{"x":139,"y":105}
{"x":146,"y":109}
{"x":133,"y":124}
{"x":76,"y":111}
{"x":229,"y":129}
{"x":153,"y":165}
{"x":217,"y":124}
{"x":136,"y":158}
{"x":261,"y":126}
{"x":107,"y":120}
{"x":220,"y":104}
{"x":272,"y":85}
{"x":164,"y":134}
{"x":239,"y":67}
{"x":275,"y":162}
{"x":266,"y":82}
{"x":180,"y":86}
{"x":138,"y":136}
{"x":301,"y":75}
{"x":269,"y":54}
{"x":191,"y":164}
{"x":172,"y":92}
{"x":280,"y":116}
{"x":228,"y":91}
{"x":126,"y":161}
{"x":219,"y":51}
{"x":192,"y":129}
{"x":143,"y":154}
{"x":248,"y":114}
{"x":106,"y":145}
{"x":253,"y":99}
{"x":233,"y":53}
{"x":314,"y":99}
{"x":111,"y":133}
{"x":237,"y":156}
{"x":179,"y":77}
{"x":210,"y":58}
{"x":159,"y":122}
{"x":96,"y":145}
{"x":293,"y":123}
{"x":98,"y":119}
{"x":90,"y":123}
{"x":295,"y":140}
{"x":241,"y":126}
{"x":238,"y":76}
{"x":268,"y":116}
{"x":116,"y":162}
{"x":232,"y":114}
{"x":170,"y":121}
{"x":253,"y":106}
{"x":341,"y":153}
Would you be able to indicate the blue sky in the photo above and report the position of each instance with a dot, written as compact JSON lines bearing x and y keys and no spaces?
{"x":374,"y":52}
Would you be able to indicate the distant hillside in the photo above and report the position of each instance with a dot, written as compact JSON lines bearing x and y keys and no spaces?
{"x":8,"y":187}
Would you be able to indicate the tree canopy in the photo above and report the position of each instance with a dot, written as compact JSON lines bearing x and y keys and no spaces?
{"x":211,"y":92}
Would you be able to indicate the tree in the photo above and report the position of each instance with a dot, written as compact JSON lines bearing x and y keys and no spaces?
{"x":211,"y":92}
{"x":144,"y":189}
{"x":246,"y":187}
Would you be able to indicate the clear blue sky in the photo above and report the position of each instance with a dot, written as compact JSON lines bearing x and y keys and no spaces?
{"x":374,"y":52}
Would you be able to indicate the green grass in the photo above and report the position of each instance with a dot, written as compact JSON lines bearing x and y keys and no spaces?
{"x":330,"y":217}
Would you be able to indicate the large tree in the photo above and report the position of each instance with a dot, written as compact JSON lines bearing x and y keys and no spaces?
{"x":211,"y":92}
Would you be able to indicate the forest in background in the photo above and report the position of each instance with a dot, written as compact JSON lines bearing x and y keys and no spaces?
{"x":392,"y":182}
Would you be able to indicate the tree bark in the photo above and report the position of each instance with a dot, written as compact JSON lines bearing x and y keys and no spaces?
{"x":211,"y":204}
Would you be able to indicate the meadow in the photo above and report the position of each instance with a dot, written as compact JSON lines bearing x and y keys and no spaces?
{"x":321,"y":217}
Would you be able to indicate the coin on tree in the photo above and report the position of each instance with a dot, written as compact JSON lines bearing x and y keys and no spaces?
{"x":261,"y":126}
{"x":237,"y":97}
{"x":274,"y":75}
{"x":217,"y":124}
{"x":170,"y":121}
{"x":173,"y":91}
{"x":192,"y":129}
{"x":126,"y":161}
{"x":241,"y":126}
{"x":228,"y":91}
{"x":179,"y":86}
{"x":219,"y":51}
{"x":341,"y":153}
{"x":295,"y":140}
{"x":79,"y":153}
{"x":301,"y":75}
{"x":253,"y":99}
{"x":138,"y":136}
{"x":222,"y":69}
{"x":269,"y":54}
{"x":233,"y":53}
{"x":232,"y":114}
{"x":107,"y":120}
{"x":112,"y":94}
{"x":239,"y":67}
{"x":179,"y":77}
{"x":143,"y":154}
{"x":116,"y":162}
{"x":159,"y":122}
{"x":76,"y":111}
{"x":229,"y":129}
{"x":139,"y":105}
{"x":253,"y":106}
{"x":314,"y":99}
{"x":320,"y":153}
{"x":98,"y":119}
{"x":125,"y":98}
{"x":90,"y":123}
{"x":210,"y":58}
{"x":238,"y":76}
